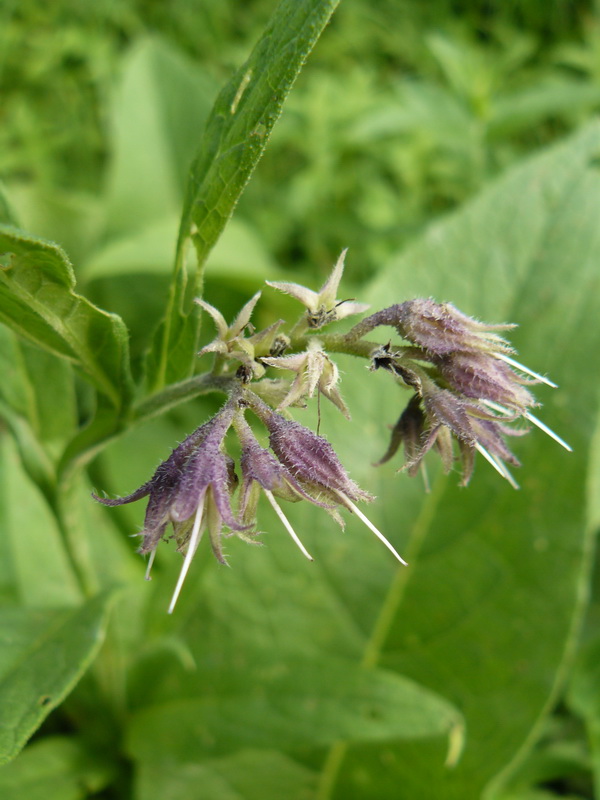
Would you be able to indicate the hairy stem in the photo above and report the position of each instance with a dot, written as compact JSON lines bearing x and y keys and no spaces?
{"x":177,"y":393}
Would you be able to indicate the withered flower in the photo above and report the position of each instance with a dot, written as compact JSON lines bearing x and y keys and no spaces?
{"x":314,"y":371}
{"x":408,"y":431}
{"x":322,"y":307}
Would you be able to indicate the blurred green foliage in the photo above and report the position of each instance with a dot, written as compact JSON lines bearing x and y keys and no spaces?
{"x":406,"y":112}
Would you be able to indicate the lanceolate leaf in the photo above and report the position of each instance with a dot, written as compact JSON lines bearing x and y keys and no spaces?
{"x":234,"y":139}
{"x":38,"y":301}
{"x":486,"y":613}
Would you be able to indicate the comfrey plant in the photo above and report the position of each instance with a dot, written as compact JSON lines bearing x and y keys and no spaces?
{"x":467,"y":394}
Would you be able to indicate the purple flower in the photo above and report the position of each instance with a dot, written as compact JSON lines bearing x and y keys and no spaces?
{"x":467,"y":386}
{"x":262,"y":471}
{"x":409,"y":431}
{"x":438,"y":328}
{"x":191,"y":490}
{"x":313,"y":464}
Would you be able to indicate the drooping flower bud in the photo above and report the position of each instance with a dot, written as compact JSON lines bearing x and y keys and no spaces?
{"x":191,"y":490}
{"x":409,"y":431}
{"x":438,"y":328}
{"x":461,"y":370}
{"x":261,"y":470}
{"x":482,"y":377}
{"x":309,"y":457}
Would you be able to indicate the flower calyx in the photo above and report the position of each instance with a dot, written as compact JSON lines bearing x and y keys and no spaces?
{"x":314,"y":371}
{"x":322,"y":307}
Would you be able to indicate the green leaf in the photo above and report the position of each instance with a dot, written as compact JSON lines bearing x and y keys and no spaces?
{"x":235,"y":137}
{"x":55,"y":768}
{"x":584,"y":698}
{"x":42,"y":656}
{"x":37,"y":402}
{"x":32,"y":553}
{"x":248,"y":775}
{"x":487,"y":612}
{"x":39,"y":302}
{"x":303,"y":704}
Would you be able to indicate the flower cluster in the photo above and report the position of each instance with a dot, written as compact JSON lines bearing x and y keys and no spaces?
{"x":467,"y":387}
{"x":192,"y":490}
{"x":467,"y":393}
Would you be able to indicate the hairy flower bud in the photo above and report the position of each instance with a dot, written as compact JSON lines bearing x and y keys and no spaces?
{"x":483,"y":377}
{"x":308,"y":457}
{"x":313,"y":463}
{"x":408,"y":431}
{"x":461,"y":371}
{"x":191,"y":490}
{"x":261,"y":470}
{"x":438,"y":328}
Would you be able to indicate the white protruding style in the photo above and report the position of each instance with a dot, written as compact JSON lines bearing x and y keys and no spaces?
{"x":534,"y":421}
{"x":497,"y":465}
{"x":193,"y":543}
{"x":543,"y":427}
{"x":370,"y":526}
{"x":286,"y":523}
{"x":149,"y":567}
{"x":526,"y":370}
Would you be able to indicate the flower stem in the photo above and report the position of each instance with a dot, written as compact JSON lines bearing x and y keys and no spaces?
{"x":180,"y":392}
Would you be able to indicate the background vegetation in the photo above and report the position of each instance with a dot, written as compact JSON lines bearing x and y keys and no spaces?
{"x":453,"y":147}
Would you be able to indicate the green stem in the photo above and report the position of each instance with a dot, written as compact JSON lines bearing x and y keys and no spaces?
{"x":66,"y":512}
{"x":178,"y":393}
{"x":383,"y":624}
{"x":340,"y":343}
